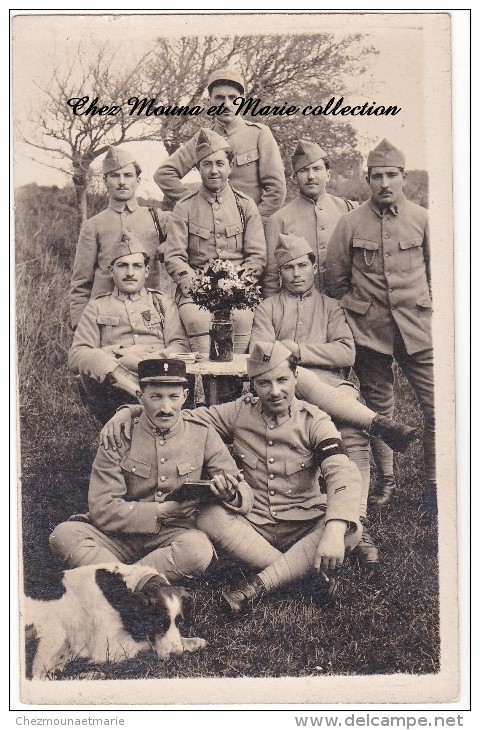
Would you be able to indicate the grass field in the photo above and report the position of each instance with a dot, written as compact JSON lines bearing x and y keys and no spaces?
{"x":384,"y":621}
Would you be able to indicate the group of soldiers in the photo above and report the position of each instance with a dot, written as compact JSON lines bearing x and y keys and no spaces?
{"x":345,"y":286}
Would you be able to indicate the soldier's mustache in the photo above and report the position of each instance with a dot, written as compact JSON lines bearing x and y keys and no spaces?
{"x":162,"y":414}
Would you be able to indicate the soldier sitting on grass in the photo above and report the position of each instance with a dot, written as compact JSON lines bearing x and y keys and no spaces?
{"x":282,"y":444}
{"x":118,"y":330}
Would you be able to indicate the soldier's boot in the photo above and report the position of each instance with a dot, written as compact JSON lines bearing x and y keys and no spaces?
{"x":383,"y":494}
{"x":324,"y":588}
{"x":239,"y":602}
{"x":366,"y":550}
{"x":397,"y":435}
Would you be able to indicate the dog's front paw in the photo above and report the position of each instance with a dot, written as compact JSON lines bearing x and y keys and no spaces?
{"x":193,"y":644}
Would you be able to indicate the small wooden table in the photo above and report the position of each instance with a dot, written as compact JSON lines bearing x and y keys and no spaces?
{"x":237,"y":368}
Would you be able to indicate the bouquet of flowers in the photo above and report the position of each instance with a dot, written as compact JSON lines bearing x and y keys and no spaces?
{"x":221,"y":286}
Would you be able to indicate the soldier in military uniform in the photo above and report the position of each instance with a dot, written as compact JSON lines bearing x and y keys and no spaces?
{"x":129,"y":518}
{"x":281,"y":443}
{"x":99,"y":234}
{"x":217,"y":221}
{"x":311,"y":215}
{"x":118,"y":330}
{"x":378,"y":267}
{"x":313,"y":327}
{"x":258,"y":168}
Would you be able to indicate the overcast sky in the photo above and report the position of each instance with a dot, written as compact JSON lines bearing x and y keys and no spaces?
{"x":396,"y":75}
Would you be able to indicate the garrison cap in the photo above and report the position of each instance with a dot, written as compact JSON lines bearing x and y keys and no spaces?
{"x":265,"y":356}
{"x":125,"y":246}
{"x":154,"y":370}
{"x":209,"y":142}
{"x":115,"y":159}
{"x":306,"y":153}
{"x":291,"y":247}
{"x":386,"y":155}
{"x":226,"y":76}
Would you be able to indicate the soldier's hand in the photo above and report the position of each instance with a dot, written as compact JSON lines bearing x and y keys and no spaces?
{"x":115,"y":429}
{"x":225,"y":487}
{"x":331,"y":548}
{"x":292,"y":346}
{"x":170,"y":510}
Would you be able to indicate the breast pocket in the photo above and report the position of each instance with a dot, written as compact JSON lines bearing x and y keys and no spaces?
{"x":137,"y":475}
{"x":299,"y":474}
{"x":411,"y":253}
{"x":244,"y":456}
{"x":234,"y":234}
{"x":365,"y":255}
{"x":247,"y":158}
{"x":106,"y":323}
{"x":197,"y":236}
{"x":190,"y":468}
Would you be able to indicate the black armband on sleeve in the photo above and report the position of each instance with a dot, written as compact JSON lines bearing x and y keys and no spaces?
{"x":329,"y":447}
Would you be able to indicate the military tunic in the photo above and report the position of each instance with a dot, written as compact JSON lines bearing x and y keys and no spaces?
{"x":257,"y":169}
{"x":127,"y":485}
{"x":205,"y":226}
{"x":98,"y":236}
{"x":378,"y":266}
{"x":120,"y":324}
{"x":315,"y":323}
{"x":310,"y":219}
{"x":277,"y":456}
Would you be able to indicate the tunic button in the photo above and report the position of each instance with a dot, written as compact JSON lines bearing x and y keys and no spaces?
{"x":163,"y":478}
{"x":220,"y":200}
{"x":274,"y":513}
{"x":218,"y":235}
{"x":302,"y":465}
{"x":216,"y":206}
{"x":133,"y":468}
{"x":387,"y":273}
{"x":300,"y":323}
{"x":387,"y":254}
{"x":192,"y":468}
{"x":248,"y":157}
{"x":242,"y":456}
{"x":217,"y":222}
{"x":159,"y":493}
{"x":162,"y":460}
{"x":135,"y":336}
{"x":162,"y":443}
{"x":272,"y":492}
{"x":271,"y":426}
{"x":390,"y":290}
{"x":271,"y":476}
{"x":322,"y":248}
{"x":270,"y":443}
{"x":271,"y":460}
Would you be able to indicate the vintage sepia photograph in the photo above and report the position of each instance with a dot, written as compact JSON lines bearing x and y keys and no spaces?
{"x":235,"y":358}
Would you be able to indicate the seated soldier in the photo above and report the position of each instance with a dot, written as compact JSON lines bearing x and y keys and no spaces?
{"x":280,"y":442}
{"x":118,"y":330}
{"x":313,"y":327}
{"x":130,"y":516}
{"x":213,"y":222}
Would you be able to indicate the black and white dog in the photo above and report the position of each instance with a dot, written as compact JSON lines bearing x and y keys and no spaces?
{"x":108,"y":612}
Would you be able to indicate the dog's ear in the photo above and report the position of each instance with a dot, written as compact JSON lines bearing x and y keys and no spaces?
{"x":187,"y":604}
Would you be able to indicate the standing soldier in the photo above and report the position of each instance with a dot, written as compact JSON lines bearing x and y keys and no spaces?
{"x":378,"y":266}
{"x":216,"y":221}
{"x":258,"y":168}
{"x":99,"y":234}
{"x":311,"y":215}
